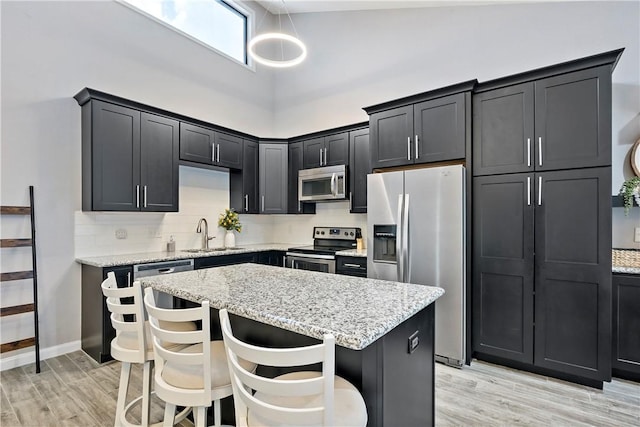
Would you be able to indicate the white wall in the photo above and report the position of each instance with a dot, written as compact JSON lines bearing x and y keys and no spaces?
{"x":50,"y":50}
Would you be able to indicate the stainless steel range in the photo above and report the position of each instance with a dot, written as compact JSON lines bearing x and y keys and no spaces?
{"x":321,"y":256}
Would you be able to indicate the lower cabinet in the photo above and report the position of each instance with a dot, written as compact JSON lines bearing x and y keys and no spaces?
{"x":95,"y":326}
{"x":351,"y":266}
{"x":542,"y":271}
{"x":275,"y":258}
{"x":220,"y":260}
{"x":626,"y":326}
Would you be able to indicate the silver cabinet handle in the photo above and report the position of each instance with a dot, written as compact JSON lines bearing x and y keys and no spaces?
{"x":346,"y":264}
{"x":528,"y":152}
{"x":528,"y":191}
{"x":539,"y":190}
{"x":417,"y":143}
{"x":321,"y":157}
{"x":128,"y":279}
{"x":137,"y":196}
{"x":246,"y":203}
{"x":299,"y":206}
{"x":540,"y":150}
{"x":350,"y":201}
{"x":262,"y":203}
{"x":213,"y":153}
{"x":408,"y":148}
{"x":218,"y":154}
{"x":325,"y":157}
{"x":144,"y":196}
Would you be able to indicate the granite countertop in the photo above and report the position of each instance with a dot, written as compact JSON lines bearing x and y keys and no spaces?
{"x":145,"y":257}
{"x":626,"y":261}
{"x":356,"y":311}
{"x":353,"y":252}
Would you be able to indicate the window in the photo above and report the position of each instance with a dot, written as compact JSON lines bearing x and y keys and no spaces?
{"x":215,"y":23}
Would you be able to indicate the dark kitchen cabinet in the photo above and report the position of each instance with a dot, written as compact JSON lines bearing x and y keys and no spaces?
{"x":129,"y":158}
{"x":351,"y":266}
{"x":221,"y":260}
{"x":552,"y":269}
{"x":430,"y":127}
{"x":274,"y":175}
{"x":326,"y":151}
{"x":359,"y":167}
{"x":275,"y":258}
{"x":558,"y":122}
{"x":95,"y":323}
{"x":503,"y":265}
{"x":296,"y":156}
{"x":207,"y":146}
{"x":244,"y":187}
{"x":626,"y":326}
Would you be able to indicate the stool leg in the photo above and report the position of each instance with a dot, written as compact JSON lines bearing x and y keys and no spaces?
{"x":217,"y":416}
{"x":201,"y":416}
{"x":125,"y":373}
{"x":169,"y":414}
{"x":146,"y":392}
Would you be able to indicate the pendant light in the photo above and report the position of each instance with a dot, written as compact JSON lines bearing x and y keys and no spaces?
{"x":282,"y":38}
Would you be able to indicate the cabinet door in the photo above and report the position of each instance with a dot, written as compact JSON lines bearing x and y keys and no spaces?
{"x":228,"y":151}
{"x":573,"y":120}
{"x":313,"y":156}
{"x":123,"y":279}
{"x":573,"y":272}
{"x":439,"y":127}
{"x":250,"y":185}
{"x":503,"y":130}
{"x":359,"y":167}
{"x":391,"y":135}
{"x":626,"y":326}
{"x":336,"y":149}
{"x":503,"y":221}
{"x":196,"y":144}
{"x":115,"y":157}
{"x":159,"y":163}
{"x":273,"y":178}
{"x":295,"y":164}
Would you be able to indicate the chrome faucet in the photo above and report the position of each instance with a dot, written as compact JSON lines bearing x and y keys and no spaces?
{"x":205,"y":235}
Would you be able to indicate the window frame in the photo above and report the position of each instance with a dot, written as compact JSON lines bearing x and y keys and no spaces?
{"x":233,"y":6}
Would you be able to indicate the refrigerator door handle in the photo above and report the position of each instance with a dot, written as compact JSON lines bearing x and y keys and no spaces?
{"x":405,"y":241}
{"x":399,"y":257}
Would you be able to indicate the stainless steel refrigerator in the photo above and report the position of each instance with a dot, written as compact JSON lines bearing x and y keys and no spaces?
{"x":416,"y":234}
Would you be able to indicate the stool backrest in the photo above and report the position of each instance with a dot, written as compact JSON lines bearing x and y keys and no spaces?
{"x":127,"y":316}
{"x":168,"y":343}
{"x":244,"y":381}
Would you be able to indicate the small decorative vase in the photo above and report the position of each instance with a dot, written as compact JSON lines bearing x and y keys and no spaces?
{"x":229,"y":239}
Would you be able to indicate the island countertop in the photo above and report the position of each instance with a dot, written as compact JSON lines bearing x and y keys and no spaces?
{"x":356,"y":311}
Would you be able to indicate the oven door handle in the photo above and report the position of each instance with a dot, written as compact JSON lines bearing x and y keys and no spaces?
{"x":299,"y":256}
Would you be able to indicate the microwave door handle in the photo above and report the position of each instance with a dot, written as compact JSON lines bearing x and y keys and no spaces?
{"x":333,"y":184}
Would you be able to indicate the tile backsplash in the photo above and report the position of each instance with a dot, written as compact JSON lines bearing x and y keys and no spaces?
{"x":203,"y":194}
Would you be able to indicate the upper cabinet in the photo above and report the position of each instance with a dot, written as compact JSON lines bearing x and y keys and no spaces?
{"x":552,"y":123}
{"x":295,"y":165}
{"x":429,"y":127}
{"x":273,"y":177}
{"x":359,"y":167}
{"x":204,"y":145}
{"x":129,"y":157}
{"x":244,"y":188}
{"x":326,"y":151}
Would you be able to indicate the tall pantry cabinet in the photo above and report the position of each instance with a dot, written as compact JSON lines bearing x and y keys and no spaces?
{"x":542,"y":220}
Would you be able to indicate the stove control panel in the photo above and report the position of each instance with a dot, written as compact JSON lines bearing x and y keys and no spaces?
{"x":337,"y":233}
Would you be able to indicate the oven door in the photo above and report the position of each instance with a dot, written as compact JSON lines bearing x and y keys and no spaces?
{"x":322,"y":263}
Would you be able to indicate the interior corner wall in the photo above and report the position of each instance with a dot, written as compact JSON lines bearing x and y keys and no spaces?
{"x":49,"y":52}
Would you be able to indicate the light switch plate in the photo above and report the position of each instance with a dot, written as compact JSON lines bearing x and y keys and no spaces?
{"x":636,"y":236}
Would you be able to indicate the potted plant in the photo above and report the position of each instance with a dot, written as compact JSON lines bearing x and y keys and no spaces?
{"x":630,"y":190}
{"x":230,"y":221}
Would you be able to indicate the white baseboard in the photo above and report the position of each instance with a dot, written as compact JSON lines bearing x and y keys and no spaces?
{"x":27,"y":358}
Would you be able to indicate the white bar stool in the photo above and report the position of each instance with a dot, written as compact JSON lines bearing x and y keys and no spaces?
{"x":297,"y":398}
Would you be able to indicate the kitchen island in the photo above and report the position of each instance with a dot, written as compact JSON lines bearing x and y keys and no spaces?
{"x":384,"y":330}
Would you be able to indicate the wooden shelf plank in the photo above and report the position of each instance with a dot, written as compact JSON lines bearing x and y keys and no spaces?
{"x":15,"y":243}
{"x":16,"y":275}
{"x":15,"y":210}
{"x":16,"y":309}
{"x":16,"y":345}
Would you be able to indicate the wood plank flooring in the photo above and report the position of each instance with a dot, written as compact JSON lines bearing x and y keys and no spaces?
{"x":74,"y":390}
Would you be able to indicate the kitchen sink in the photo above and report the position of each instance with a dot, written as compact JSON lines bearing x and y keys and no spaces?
{"x":202,"y":251}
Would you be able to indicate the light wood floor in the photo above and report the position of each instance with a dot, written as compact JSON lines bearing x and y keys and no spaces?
{"x":74,"y":390}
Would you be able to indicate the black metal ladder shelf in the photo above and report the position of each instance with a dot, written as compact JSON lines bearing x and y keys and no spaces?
{"x":21,"y":275}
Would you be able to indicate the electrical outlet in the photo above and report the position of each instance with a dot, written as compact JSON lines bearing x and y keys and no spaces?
{"x":636,"y":236}
{"x":154,"y":233}
{"x":121,"y":233}
{"x":414,"y":342}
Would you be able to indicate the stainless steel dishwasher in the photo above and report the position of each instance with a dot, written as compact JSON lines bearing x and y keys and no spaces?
{"x":158,"y":268}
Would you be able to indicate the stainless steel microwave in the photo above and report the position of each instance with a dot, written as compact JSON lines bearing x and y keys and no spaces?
{"x":326,"y":183}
